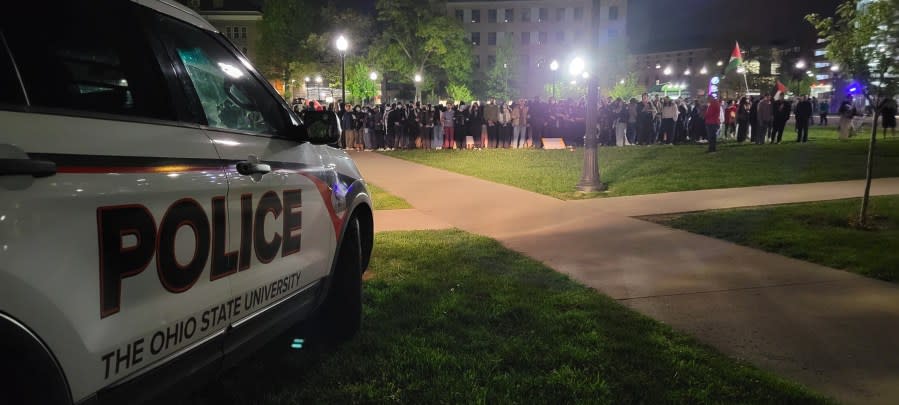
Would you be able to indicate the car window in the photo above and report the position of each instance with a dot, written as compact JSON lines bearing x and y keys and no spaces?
{"x":10,"y":90}
{"x":229,"y":94}
{"x":86,"y":56}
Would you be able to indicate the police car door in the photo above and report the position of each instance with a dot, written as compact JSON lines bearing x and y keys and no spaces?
{"x":104,"y":196}
{"x":281,"y":234}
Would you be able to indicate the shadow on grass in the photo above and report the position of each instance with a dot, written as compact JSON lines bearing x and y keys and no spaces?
{"x":455,"y":318}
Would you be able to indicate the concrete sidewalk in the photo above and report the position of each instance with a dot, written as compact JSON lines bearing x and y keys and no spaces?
{"x":831,"y":330}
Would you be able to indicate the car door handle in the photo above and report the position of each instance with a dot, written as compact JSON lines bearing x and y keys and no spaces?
{"x":250,"y":168}
{"x":36,"y":168}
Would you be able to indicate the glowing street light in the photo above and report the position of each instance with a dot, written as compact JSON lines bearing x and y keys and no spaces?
{"x":835,"y":68}
{"x":667,"y":71}
{"x":373,"y":76}
{"x":720,"y":63}
{"x":800,"y":65}
{"x":342,"y":46}
{"x":306,"y":79}
{"x":585,"y":75}
{"x":417,"y":80}
{"x":703,"y":71}
{"x":318,"y":79}
{"x":687,"y":72}
{"x":621,"y":81}
{"x":658,"y":66}
{"x":577,"y":66}
{"x":554,"y":66}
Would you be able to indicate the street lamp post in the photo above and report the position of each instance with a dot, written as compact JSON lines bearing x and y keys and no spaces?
{"x":417,"y":79}
{"x":342,"y":45}
{"x":590,"y":181}
{"x":554,"y":66}
{"x":374,"y":78}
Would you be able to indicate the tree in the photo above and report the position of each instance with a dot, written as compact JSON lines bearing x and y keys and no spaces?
{"x":459,"y":92}
{"x":801,"y":86}
{"x":863,"y":40}
{"x":418,"y":37}
{"x":501,"y":75}
{"x":627,"y":88}
{"x":284,"y":37}
{"x":359,"y":85}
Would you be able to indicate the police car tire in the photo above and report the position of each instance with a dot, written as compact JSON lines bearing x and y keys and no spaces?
{"x":340,"y":316}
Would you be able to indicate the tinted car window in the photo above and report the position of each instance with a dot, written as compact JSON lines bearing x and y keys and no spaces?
{"x":87,"y":56}
{"x":230,"y":96}
{"x":10,"y":90}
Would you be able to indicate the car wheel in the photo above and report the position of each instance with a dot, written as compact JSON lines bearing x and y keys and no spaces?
{"x":340,"y":315}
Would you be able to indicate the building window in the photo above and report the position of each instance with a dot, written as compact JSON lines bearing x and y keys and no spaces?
{"x":560,"y":14}
{"x":491,"y":61}
{"x":510,"y":36}
{"x":510,"y":15}
{"x":578,"y":13}
{"x":491,"y":15}
{"x":243,"y":32}
{"x":228,"y":32}
{"x":491,"y":38}
{"x":525,"y":38}
{"x":526,"y":15}
{"x":475,"y":16}
{"x":560,"y":36}
{"x":540,"y":63}
{"x":477,"y":61}
{"x":544,"y":15}
{"x":613,"y":13}
{"x":542,"y":37}
{"x":460,"y":15}
{"x":476,"y":38}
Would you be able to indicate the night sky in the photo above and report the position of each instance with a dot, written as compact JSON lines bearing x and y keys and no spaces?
{"x":660,"y":25}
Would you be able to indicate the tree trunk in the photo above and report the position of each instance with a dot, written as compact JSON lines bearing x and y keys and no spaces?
{"x":863,"y":215}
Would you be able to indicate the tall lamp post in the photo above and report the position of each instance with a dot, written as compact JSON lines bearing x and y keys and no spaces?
{"x":554,"y":66}
{"x":417,"y":79}
{"x":342,"y":45}
{"x":374,"y":78}
{"x":590,"y":181}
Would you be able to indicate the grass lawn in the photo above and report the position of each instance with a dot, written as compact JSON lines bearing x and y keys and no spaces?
{"x":454,"y":318}
{"x":657,"y":169}
{"x":817,"y":232}
{"x":383,"y":200}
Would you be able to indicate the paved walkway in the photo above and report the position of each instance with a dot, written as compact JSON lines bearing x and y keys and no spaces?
{"x":831,"y":330}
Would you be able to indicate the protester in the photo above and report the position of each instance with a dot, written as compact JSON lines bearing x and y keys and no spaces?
{"x":742,"y":119}
{"x":823,"y":110}
{"x":765,"y":119}
{"x":847,"y":114}
{"x":803,"y":116}
{"x":888,"y":112}
{"x":781,"y":109}
{"x":713,"y":122}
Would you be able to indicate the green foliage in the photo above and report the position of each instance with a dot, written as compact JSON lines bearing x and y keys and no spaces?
{"x":359,"y":86}
{"x":459,"y":92}
{"x":566,"y":90}
{"x":635,"y":170}
{"x":802,"y":86}
{"x":500,"y":77}
{"x":628,"y":89}
{"x":383,"y":200}
{"x":418,"y":37}
{"x":864,"y":42}
{"x":820,"y":232}
{"x":285,"y":36}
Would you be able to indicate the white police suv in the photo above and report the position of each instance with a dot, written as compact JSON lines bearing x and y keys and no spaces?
{"x":162,"y":211}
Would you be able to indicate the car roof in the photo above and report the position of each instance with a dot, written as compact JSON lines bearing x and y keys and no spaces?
{"x":179,"y":11}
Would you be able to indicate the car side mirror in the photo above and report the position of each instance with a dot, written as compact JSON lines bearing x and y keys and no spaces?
{"x":322,"y":127}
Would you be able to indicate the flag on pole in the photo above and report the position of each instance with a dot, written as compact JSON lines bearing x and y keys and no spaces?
{"x":736,"y":59}
{"x":781,"y":89}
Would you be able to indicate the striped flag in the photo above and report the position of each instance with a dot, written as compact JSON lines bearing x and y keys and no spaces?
{"x":736,"y":59}
{"x":781,"y":89}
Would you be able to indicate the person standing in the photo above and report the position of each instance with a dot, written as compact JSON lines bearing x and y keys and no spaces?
{"x":348,"y":123}
{"x":449,"y":130}
{"x":847,"y":114}
{"x":491,"y":119}
{"x":669,"y":115}
{"x":437,"y":133}
{"x":823,"y":110}
{"x":537,"y":112}
{"x":803,"y":116}
{"x":461,"y":125}
{"x":505,"y":125}
{"x":730,"y":119}
{"x":888,"y":112}
{"x":753,"y":120}
{"x":519,"y":123}
{"x":645,"y":114}
{"x":743,"y":108}
{"x":475,"y":124}
{"x":765,"y":119}
{"x":782,"y":110}
{"x":713,"y":122}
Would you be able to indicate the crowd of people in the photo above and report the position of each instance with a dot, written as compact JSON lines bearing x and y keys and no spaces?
{"x":525,"y":123}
